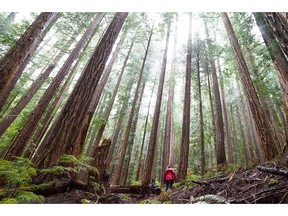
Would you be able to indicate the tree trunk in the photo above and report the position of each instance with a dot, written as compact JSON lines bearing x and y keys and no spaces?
{"x":201,"y":120}
{"x":119,"y":167}
{"x":109,"y":109}
{"x":219,"y":130}
{"x":25,"y":133}
{"x":226,"y":120}
{"x":16,"y":110}
{"x":140,"y":164}
{"x":133,"y":129}
{"x":121,"y":115}
{"x":262,"y":123}
{"x":95,"y":100}
{"x":62,"y":136}
{"x":168,"y":136}
{"x":184,"y":147}
{"x":248,"y":136}
{"x":15,"y":61}
{"x":278,"y":57}
{"x":243,"y":138}
{"x":153,"y":135}
{"x":279,"y":28}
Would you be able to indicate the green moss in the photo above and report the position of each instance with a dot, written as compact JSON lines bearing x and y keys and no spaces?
{"x":137,"y":183}
{"x":8,"y":201}
{"x":272,"y":182}
{"x":124,"y":197}
{"x":85,"y":201}
{"x":150,"y":201}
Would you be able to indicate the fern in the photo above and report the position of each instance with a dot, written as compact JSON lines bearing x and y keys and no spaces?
{"x":79,"y":163}
{"x":56,"y":170}
{"x":17,"y":173}
{"x":29,"y":197}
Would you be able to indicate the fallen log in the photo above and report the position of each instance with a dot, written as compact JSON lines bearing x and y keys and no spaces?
{"x":128,"y":189}
{"x":274,"y":171}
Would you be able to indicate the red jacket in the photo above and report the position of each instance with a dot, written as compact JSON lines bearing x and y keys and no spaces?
{"x":169,"y":174}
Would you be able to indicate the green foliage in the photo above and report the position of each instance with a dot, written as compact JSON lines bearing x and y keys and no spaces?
{"x":29,"y":197}
{"x":56,"y":170}
{"x":150,"y":201}
{"x":124,"y":197}
{"x":8,"y":201}
{"x":187,"y":181}
{"x":17,"y":173}
{"x":85,"y":201}
{"x":136,"y":183}
{"x":81,"y":163}
{"x":272,"y":182}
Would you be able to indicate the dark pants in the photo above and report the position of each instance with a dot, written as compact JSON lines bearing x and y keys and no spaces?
{"x":169,"y":183}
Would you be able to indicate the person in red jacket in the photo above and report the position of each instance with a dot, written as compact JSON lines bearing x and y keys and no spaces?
{"x":169,"y":177}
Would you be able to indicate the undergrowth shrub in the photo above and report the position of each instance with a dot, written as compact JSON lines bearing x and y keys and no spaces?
{"x":16,"y":175}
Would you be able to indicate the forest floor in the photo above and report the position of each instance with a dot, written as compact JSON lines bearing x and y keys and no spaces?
{"x":252,"y":186}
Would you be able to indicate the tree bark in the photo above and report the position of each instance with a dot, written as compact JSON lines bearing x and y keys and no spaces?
{"x":201,"y":120}
{"x":14,"y":62}
{"x":226,"y":120}
{"x":16,"y":110}
{"x":184,"y":147}
{"x":219,"y":130}
{"x":262,"y":122}
{"x":153,"y":135}
{"x":25,"y":133}
{"x":124,"y":146}
{"x":62,"y":136}
{"x":279,"y":28}
{"x":140,"y":164}
{"x":278,"y":57}
{"x":99,"y":91}
{"x":96,"y":98}
{"x":168,"y":136}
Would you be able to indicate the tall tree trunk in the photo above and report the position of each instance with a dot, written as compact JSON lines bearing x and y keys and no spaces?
{"x":201,"y":120}
{"x":168,"y":136}
{"x":63,"y":135}
{"x":226,"y":120}
{"x":96,"y":98}
{"x":15,"y":61}
{"x":25,"y":133}
{"x":219,"y":130}
{"x":262,"y":122}
{"x":279,"y":28}
{"x":111,"y":102}
{"x":124,"y":146}
{"x":277,"y":56}
{"x":153,"y":135}
{"x":140,"y":164}
{"x":133,"y":131}
{"x":207,"y":75}
{"x":16,"y":110}
{"x":235,"y":143}
{"x":184,"y":147}
{"x":242,"y":136}
{"x":115,"y":139}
